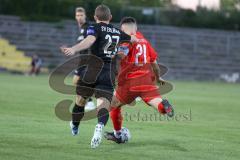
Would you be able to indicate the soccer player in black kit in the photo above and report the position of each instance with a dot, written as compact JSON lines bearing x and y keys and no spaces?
{"x":83,"y":24}
{"x":103,"y":39}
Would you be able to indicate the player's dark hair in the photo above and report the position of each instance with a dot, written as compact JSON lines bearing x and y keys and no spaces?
{"x":128,"y":20}
{"x":80,"y":9}
{"x":103,"y":13}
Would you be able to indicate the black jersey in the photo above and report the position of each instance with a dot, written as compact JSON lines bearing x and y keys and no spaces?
{"x":107,"y":39}
{"x":82,"y":35}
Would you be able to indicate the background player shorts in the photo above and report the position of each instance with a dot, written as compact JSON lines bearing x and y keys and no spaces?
{"x":80,"y":71}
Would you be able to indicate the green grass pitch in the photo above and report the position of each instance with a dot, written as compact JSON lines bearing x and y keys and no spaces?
{"x":207,"y":126}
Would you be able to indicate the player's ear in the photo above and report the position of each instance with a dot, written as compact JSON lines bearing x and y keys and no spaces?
{"x":136,"y":27}
{"x":95,"y":18}
{"x":110,"y":18}
{"x":121,"y":27}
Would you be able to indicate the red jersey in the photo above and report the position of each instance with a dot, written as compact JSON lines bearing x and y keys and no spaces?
{"x":139,"y":57}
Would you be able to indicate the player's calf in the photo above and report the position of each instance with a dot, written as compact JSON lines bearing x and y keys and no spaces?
{"x":103,"y":115}
{"x":162,"y":105}
{"x":77,"y":114}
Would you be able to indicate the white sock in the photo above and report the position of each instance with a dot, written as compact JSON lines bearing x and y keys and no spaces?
{"x":117,"y":133}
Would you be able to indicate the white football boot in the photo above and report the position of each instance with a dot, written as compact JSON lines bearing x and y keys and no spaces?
{"x":74,"y":129}
{"x":97,"y":137}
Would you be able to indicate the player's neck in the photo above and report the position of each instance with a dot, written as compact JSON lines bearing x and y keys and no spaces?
{"x":107,"y":22}
{"x":133,"y":33}
{"x":81,"y":24}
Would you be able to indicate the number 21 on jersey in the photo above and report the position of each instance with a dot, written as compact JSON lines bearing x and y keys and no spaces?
{"x":141,"y":56}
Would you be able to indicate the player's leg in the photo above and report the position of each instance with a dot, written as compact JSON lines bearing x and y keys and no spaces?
{"x":117,"y":119}
{"x":103,"y":93}
{"x":77,"y":114}
{"x":89,"y":104}
{"x":38,"y":70}
{"x":103,"y":105}
{"x":121,"y":97}
{"x":83,"y":91}
{"x":162,"y":105}
{"x":77,"y":110}
{"x":76,"y":78}
{"x":116,"y":115}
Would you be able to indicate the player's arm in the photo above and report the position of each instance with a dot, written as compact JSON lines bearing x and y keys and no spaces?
{"x":84,"y":44}
{"x":157,"y":72}
{"x":92,"y":34}
{"x":123,"y":50}
{"x":154,"y":64}
{"x":124,"y":37}
{"x":134,"y":39}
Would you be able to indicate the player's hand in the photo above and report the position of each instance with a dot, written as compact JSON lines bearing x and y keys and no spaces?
{"x":67,"y":51}
{"x":161,"y":81}
{"x":121,"y":55}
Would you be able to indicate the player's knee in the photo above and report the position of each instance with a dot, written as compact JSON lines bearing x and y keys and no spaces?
{"x":154,"y":102}
{"x":103,"y":103}
{"x":80,"y":101}
{"x":115,"y":102}
{"x":75,"y":80}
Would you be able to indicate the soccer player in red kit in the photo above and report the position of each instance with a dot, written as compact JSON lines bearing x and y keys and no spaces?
{"x":137,"y":77}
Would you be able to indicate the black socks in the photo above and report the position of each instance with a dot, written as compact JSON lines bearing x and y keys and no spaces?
{"x":77,"y":114}
{"x":103,"y":116}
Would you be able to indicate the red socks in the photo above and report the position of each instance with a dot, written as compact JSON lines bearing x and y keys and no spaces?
{"x":117,"y":118}
{"x":161,"y":108}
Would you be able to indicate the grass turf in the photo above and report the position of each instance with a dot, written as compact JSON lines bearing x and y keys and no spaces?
{"x":206,"y":126}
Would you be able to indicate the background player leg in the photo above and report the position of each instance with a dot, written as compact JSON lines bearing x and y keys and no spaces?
{"x":77,"y":114}
{"x":90,"y":104}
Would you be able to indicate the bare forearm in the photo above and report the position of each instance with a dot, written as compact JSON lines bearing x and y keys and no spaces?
{"x":156,"y":69}
{"x":81,"y":46}
{"x":85,"y":44}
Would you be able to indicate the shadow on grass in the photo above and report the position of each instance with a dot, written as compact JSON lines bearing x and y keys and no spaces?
{"x":166,"y":144}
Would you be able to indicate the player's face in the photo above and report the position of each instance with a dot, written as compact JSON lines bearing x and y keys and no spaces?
{"x":129,"y":29}
{"x":125,"y":29}
{"x":80,"y":17}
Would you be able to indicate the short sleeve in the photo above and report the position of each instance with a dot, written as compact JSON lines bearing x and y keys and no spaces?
{"x":124,"y":48}
{"x":124,"y":37}
{"x":93,"y":31}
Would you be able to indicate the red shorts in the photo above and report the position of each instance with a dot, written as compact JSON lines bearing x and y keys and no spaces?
{"x":142,"y":86}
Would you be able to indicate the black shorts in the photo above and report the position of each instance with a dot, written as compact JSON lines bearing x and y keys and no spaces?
{"x":102,"y":86}
{"x":80,"y":71}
